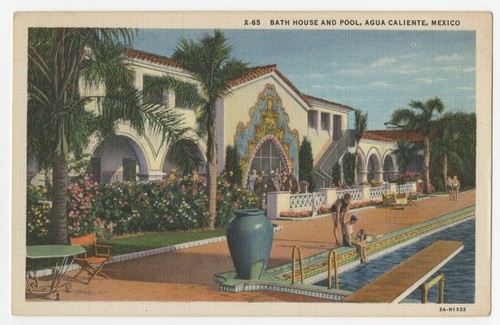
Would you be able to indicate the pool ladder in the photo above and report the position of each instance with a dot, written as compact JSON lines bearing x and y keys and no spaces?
{"x":296,"y":249}
{"x":332,"y":256}
{"x":425,"y":288}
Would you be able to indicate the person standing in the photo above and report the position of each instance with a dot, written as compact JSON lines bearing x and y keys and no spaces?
{"x":456,"y":187}
{"x":277,"y":180}
{"x":259,"y":187}
{"x":251,"y":180}
{"x":449,"y":187}
{"x":339,"y":209}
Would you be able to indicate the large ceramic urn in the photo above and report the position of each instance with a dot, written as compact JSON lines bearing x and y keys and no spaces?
{"x":249,"y":237}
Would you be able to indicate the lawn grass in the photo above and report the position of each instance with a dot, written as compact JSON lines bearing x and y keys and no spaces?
{"x":463,"y":189}
{"x":132,"y":244}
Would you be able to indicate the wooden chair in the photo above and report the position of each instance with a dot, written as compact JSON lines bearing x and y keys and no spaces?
{"x":94,"y":262}
{"x":389,"y":198}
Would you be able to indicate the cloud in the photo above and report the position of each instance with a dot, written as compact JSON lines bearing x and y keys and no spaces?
{"x":466,"y":88}
{"x":332,"y":64}
{"x":429,"y":80}
{"x":472,"y":69}
{"x":381,"y":84}
{"x":453,"y":68}
{"x":353,"y":71}
{"x":451,"y":57}
{"x":382,"y":62}
{"x":342,"y":88}
{"x":320,"y":87}
{"x":408,"y":56}
{"x":317,"y":75}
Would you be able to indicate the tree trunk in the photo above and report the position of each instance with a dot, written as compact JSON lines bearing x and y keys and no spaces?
{"x":356,"y":163}
{"x":445,"y":169}
{"x":212,"y":193}
{"x":212,"y":170}
{"x":426,"y":164}
{"x":59,"y":185}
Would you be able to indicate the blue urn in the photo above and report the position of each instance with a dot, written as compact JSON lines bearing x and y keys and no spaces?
{"x":249,"y":237}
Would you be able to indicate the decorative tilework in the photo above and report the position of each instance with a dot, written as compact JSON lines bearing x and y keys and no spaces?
{"x":268,"y":121}
{"x":315,"y":267}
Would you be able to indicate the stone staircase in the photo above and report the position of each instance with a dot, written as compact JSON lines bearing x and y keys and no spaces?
{"x":322,"y":171}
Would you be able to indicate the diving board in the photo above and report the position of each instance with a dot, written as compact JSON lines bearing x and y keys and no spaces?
{"x":396,"y":284}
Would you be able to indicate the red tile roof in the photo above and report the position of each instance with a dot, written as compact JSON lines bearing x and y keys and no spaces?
{"x":256,"y":72}
{"x":250,"y":74}
{"x":154,"y":58}
{"x":311,"y":99}
{"x":393,"y":135}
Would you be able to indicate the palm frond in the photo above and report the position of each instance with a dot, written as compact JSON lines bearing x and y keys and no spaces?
{"x":402,"y":117}
{"x":184,"y":152}
{"x":360,"y":124}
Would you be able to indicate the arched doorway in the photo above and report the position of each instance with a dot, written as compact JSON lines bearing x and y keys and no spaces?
{"x":373,"y":168}
{"x":170,"y":164}
{"x":268,"y":157}
{"x":117,"y":159}
{"x":390,"y":170}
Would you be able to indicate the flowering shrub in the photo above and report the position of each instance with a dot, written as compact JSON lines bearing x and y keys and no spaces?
{"x":324,"y":210}
{"x":38,"y":215}
{"x":357,"y":205}
{"x":123,"y":208}
{"x":81,"y":205}
{"x":229,"y":198}
{"x":296,"y":214}
{"x":171,"y":204}
{"x":407,"y":177}
{"x":420,"y":187}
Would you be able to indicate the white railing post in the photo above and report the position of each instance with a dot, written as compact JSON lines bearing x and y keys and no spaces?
{"x":365,"y":193}
{"x":277,"y":202}
{"x":330,"y":195}
{"x":414,"y":186}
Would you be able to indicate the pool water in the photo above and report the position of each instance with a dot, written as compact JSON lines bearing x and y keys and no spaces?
{"x":459,"y":272}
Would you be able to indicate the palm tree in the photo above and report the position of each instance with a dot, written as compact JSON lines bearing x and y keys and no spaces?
{"x":405,"y":153}
{"x":450,"y":148}
{"x":209,"y":60}
{"x":360,"y":124}
{"x":61,"y":62}
{"x":423,"y":121}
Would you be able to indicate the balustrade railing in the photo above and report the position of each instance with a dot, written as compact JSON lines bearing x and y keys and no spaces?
{"x":314,"y":201}
{"x":377,"y":192}
{"x":356,"y":194}
{"x":307,"y":200}
{"x":405,"y":188}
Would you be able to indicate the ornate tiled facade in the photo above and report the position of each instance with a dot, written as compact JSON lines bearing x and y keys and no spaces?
{"x":268,"y":121}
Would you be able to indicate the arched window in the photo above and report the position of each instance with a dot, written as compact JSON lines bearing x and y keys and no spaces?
{"x":268,"y":158}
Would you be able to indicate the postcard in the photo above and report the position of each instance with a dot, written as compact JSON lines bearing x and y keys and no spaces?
{"x":252,"y":163}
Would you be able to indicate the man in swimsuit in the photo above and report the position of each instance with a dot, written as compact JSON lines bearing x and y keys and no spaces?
{"x":339,"y":209}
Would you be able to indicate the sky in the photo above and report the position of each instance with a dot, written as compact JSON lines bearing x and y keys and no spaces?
{"x":374,"y":71}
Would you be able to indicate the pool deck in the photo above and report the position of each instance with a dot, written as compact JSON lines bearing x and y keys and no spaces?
{"x":187,"y":275}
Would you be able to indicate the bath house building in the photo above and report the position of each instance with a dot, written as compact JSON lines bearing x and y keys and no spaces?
{"x":265,"y":118}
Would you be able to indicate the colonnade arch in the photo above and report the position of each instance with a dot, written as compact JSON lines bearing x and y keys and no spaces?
{"x":118,"y":158}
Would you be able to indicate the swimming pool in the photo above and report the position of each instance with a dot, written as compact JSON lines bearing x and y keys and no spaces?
{"x":459,"y":272}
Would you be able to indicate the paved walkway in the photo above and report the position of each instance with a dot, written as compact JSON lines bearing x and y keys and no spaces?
{"x":187,"y":275}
